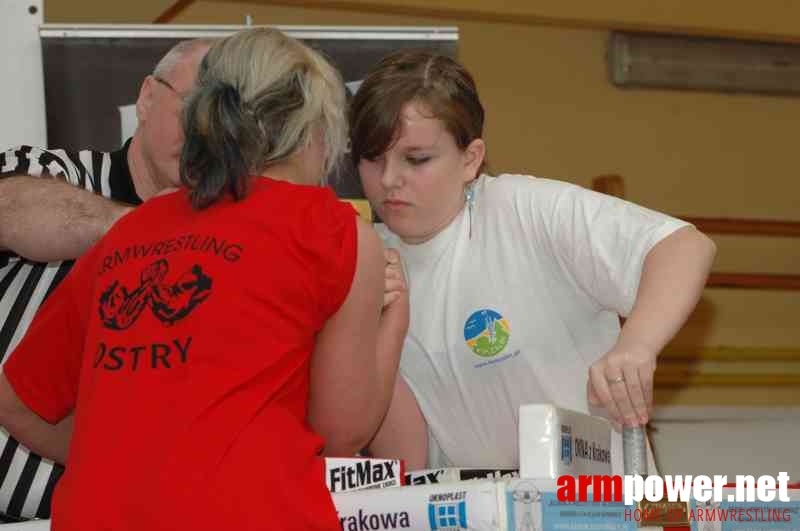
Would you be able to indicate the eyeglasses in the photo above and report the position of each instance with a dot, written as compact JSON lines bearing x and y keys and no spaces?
{"x":171,"y":88}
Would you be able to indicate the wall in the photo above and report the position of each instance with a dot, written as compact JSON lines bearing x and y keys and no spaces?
{"x":727,"y":441}
{"x":101,"y":12}
{"x":21,"y":94}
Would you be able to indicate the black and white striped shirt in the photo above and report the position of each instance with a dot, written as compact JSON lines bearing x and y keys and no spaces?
{"x":27,"y":480}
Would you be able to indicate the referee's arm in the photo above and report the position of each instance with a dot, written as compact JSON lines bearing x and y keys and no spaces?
{"x":47,"y":220}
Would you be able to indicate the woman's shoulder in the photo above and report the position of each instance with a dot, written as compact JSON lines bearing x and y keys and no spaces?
{"x":266,"y":187}
{"x":297,"y":200}
{"x":514,"y":187}
{"x":516,"y":181}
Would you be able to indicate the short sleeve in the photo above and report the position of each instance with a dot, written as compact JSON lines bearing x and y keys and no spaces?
{"x":602,"y":240}
{"x":335,"y":244}
{"x":44,"y":369}
{"x":36,"y":162}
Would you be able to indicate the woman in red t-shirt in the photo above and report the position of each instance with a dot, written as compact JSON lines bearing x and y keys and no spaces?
{"x":227,"y":335}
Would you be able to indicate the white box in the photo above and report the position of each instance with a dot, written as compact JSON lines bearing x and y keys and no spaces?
{"x":554,"y":442}
{"x":455,"y":506}
{"x":449,"y":475}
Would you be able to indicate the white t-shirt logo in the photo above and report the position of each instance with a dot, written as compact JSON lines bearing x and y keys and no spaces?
{"x":486,"y":332}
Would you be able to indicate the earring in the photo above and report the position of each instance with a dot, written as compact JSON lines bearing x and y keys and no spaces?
{"x":469,"y":196}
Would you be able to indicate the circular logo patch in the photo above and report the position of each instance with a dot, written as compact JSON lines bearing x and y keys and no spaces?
{"x":486,"y":332}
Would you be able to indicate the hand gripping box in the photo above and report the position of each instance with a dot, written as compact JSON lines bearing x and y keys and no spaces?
{"x":554,"y":442}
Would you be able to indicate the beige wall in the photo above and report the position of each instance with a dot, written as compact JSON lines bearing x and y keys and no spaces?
{"x":103,"y":11}
{"x":552,"y":112}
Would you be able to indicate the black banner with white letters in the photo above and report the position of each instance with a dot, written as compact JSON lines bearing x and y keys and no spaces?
{"x":93,"y":73}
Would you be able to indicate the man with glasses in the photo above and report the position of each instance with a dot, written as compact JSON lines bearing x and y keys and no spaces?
{"x":45,"y":224}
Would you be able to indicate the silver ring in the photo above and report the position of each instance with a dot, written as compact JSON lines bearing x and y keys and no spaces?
{"x":618,"y":379}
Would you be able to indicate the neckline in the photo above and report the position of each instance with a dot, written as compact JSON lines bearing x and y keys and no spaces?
{"x":121,"y":180}
{"x":430,"y":250}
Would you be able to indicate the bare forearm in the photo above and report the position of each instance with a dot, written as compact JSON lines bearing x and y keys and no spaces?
{"x":48,"y":440}
{"x":403,"y":434}
{"x":390,"y":345}
{"x":342,"y":442}
{"x":673,"y":278}
{"x":46,"y":220}
{"x":355,"y":360}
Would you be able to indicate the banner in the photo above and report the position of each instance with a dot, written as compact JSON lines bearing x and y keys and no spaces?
{"x":93,"y":73}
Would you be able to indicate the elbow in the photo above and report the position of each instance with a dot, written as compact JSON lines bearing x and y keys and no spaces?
{"x":347,"y":439}
{"x":341,"y":448}
{"x":344,"y":439}
{"x":341,"y":444}
{"x":9,"y":404}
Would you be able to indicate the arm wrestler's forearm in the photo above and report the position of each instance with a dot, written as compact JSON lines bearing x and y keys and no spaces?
{"x":48,"y":440}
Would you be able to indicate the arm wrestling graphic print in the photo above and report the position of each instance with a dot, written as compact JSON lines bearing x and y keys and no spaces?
{"x":169,"y":302}
{"x":120,"y":308}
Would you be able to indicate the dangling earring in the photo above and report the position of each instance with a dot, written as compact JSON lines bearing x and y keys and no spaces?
{"x":469,"y":195}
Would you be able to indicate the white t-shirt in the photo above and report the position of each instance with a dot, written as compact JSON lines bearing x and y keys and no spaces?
{"x":518,"y":312}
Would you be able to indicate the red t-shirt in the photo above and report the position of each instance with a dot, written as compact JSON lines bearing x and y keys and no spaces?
{"x":191,"y":334}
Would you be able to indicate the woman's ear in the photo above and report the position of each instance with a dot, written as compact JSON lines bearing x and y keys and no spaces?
{"x":473,"y":158}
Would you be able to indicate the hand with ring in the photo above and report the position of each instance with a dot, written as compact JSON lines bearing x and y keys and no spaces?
{"x":622,"y":382}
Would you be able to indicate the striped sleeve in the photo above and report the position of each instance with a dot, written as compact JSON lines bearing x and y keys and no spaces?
{"x":55,"y":342}
{"x":26,"y":479}
{"x":86,"y":169}
{"x":47,"y":383}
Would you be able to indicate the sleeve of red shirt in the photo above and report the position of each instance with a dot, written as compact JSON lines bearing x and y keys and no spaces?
{"x":44,"y":369}
{"x":333,"y":225}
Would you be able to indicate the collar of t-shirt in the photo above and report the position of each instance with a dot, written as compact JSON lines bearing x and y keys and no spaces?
{"x":430,"y":251}
{"x":121,"y":181}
